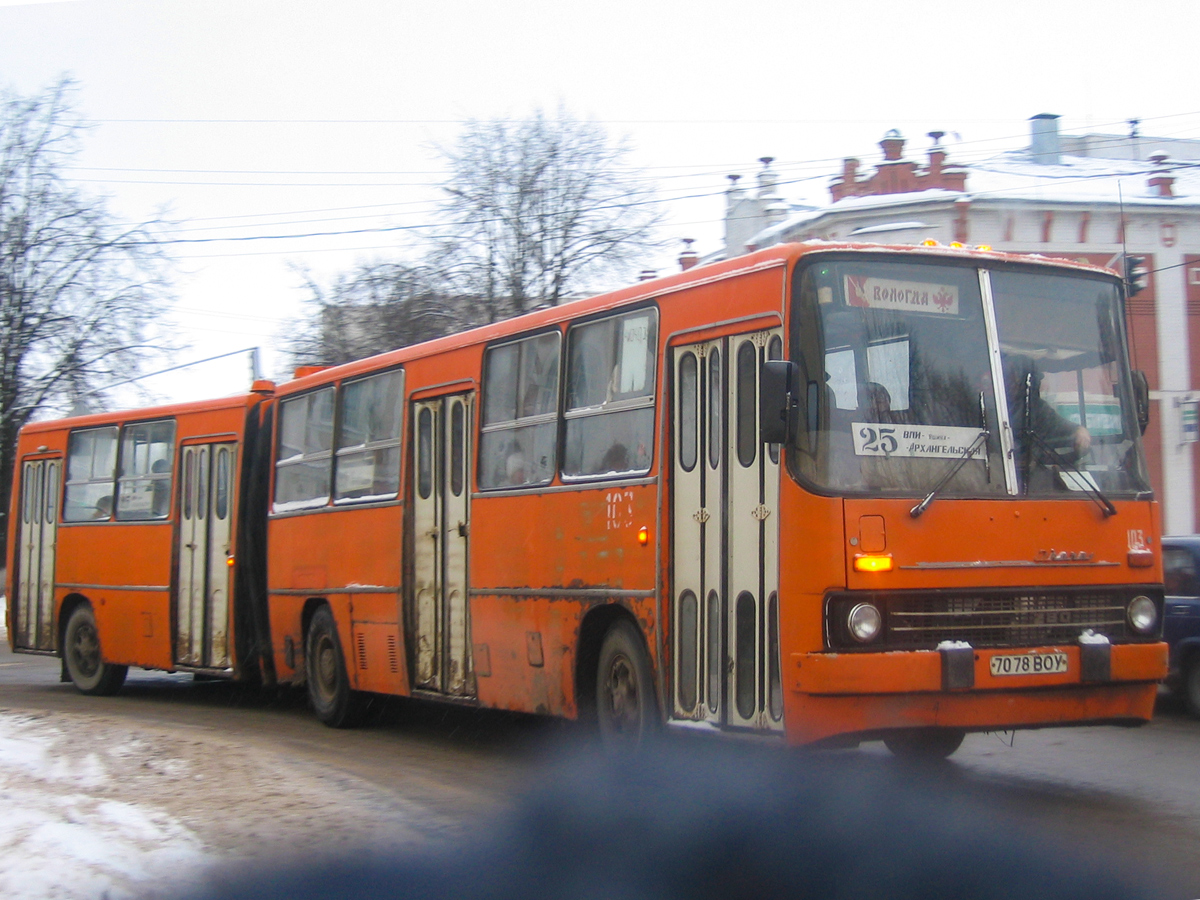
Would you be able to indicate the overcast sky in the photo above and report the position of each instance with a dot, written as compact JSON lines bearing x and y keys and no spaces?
{"x":252,"y":118}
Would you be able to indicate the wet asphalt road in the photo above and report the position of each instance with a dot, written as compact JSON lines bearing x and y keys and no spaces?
{"x":1124,"y":796}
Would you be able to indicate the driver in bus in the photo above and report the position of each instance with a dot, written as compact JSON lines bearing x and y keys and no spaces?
{"x":1022,"y":382}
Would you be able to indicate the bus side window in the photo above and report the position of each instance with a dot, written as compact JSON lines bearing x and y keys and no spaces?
{"x":144,"y":485}
{"x":519,"y":427}
{"x":368,"y":454}
{"x":304,"y":456}
{"x":610,"y":386}
{"x":91,"y":475}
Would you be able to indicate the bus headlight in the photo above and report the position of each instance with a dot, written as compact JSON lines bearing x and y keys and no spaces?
{"x":863,"y":622}
{"x":1143,"y":614}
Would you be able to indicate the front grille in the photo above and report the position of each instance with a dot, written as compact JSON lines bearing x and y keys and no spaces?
{"x":992,"y":618}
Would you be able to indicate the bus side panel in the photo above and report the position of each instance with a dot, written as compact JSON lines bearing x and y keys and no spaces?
{"x":378,"y":660}
{"x":134,"y":625}
{"x":525,"y":649}
{"x":568,"y":539}
{"x":323,"y":552}
{"x":287,"y":635}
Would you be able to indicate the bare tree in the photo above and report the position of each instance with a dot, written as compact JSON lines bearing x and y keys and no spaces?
{"x":535,"y":210}
{"x":78,"y":291}
{"x":377,"y":307}
{"x":538,"y":208}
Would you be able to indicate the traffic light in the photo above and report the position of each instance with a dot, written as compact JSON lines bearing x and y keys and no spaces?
{"x":1137,"y":276}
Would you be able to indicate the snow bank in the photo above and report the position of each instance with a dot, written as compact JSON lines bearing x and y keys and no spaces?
{"x":60,"y":838}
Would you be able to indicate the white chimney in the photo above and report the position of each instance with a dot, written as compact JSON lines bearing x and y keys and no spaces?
{"x":1043,"y":144}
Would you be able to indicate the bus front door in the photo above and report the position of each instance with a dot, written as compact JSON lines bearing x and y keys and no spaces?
{"x":205,"y":537}
{"x":34,"y":607}
{"x":441,"y":505}
{"x":725,"y":547}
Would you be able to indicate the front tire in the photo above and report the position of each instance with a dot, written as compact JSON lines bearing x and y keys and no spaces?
{"x":329,"y":689}
{"x":626,"y":706}
{"x":1190,"y":684}
{"x":925,"y":743}
{"x":84,"y":661}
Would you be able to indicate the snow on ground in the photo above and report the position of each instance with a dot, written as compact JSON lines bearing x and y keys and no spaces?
{"x":60,"y":837}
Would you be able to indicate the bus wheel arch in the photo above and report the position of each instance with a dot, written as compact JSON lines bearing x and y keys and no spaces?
{"x":81,"y":653}
{"x":330,"y":693}
{"x":613,"y":667}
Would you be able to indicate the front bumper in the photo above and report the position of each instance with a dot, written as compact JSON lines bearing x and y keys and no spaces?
{"x":832,"y":694}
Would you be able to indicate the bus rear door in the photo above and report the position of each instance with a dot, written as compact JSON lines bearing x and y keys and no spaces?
{"x":34,"y":628}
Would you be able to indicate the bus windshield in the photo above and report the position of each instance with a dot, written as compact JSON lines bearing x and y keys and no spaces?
{"x":904,"y":384}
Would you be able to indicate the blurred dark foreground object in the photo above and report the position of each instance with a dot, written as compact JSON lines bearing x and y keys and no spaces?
{"x":695,"y":821}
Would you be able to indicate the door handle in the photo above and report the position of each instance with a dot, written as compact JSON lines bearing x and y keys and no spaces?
{"x":462,"y":529}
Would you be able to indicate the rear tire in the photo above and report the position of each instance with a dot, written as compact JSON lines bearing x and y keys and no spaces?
{"x":925,"y":743}
{"x":83,"y":659}
{"x":1190,"y":684}
{"x":626,"y":705}
{"x":328,"y":683}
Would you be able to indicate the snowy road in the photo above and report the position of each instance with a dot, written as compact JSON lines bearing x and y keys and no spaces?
{"x":62,"y":834}
{"x":134,"y":796}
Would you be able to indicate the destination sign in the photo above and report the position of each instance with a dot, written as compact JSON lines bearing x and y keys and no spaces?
{"x":907,"y":296}
{"x":920,"y":441}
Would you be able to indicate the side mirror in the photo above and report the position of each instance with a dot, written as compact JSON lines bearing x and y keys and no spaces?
{"x":1141,"y":399}
{"x":777,"y":401}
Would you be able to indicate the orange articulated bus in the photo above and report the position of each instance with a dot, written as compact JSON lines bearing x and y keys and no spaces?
{"x":824,"y":492}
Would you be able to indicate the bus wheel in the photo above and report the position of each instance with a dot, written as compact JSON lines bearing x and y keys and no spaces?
{"x":81,"y":653}
{"x":925,"y":743}
{"x":328,"y":684}
{"x":1191,"y":684}
{"x":626,"y":708}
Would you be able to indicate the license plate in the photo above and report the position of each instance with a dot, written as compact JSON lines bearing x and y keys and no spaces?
{"x":1030,"y":664}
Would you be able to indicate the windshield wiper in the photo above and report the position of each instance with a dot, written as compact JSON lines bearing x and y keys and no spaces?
{"x":1084,"y":480}
{"x":980,"y":441}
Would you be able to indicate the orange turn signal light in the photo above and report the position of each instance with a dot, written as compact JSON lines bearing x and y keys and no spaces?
{"x":229,"y":561}
{"x":873,"y":562}
{"x":643,"y":535}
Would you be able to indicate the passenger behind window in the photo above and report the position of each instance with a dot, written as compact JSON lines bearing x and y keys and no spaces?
{"x":514,"y":466}
{"x":162,"y":488}
{"x":615,"y":460}
{"x":103,"y":507}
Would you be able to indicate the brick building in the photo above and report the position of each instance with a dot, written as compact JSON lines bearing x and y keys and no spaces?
{"x":1076,"y":196}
